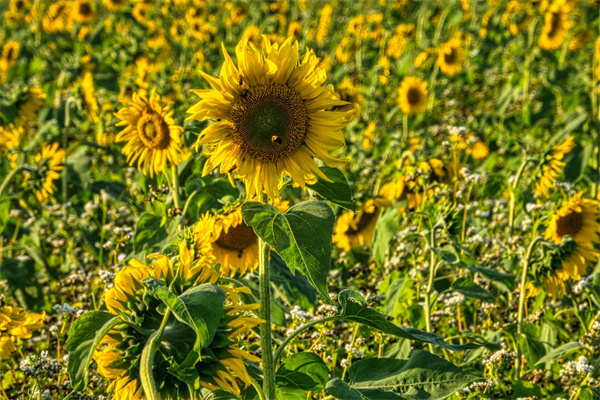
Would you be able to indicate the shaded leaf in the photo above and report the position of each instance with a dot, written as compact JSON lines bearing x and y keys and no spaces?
{"x":338,"y":191}
{"x":385,"y":229}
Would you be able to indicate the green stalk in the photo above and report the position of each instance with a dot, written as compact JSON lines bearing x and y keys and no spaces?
{"x":175,"y":177}
{"x":432,"y":268}
{"x":65,"y":137}
{"x":513,"y":188}
{"x":146,"y":376}
{"x":298,"y":331}
{"x":9,"y":177}
{"x":265,"y":313}
{"x":528,"y":256}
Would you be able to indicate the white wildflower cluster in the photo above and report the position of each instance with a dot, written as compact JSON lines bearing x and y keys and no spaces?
{"x":572,"y":368}
{"x":327,"y":309}
{"x":40,"y":368}
{"x":457,"y":130}
{"x":471,"y":177}
{"x":531,"y":207}
{"x":106,"y":276}
{"x":453,"y":299}
{"x":299,"y":314}
{"x":499,"y":357}
{"x":584,"y":283}
{"x":356,"y":353}
{"x":487,"y":385}
{"x":66,"y":309}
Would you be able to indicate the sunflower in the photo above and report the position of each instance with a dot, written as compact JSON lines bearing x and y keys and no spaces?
{"x":324,"y":23}
{"x":367,"y":142}
{"x":152,"y":137}
{"x":346,"y":49}
{"x":450,"y":57}
{"x":58,"y":17}
{"x":357,"y":229}
{"x":10,"y":53}
{"x":221,"y":365}
{"x":412,"y":95}
{"x":556,"y":25}
{"x":50,"y":163}
{"x":346,"y":91}
{"x":552,"y":167}
{"x":16,"y":323}
{"x":233,"y":243}
{"x":89,"y":95}
{"x":274,"y":117}
{"x":10,"y":141}
{"x":83,"y":11}
{"x":115,"y":5}
{"x":295,"y":30}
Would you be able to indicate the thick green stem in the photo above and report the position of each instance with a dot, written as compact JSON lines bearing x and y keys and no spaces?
{"x":265,"y":313}
{"x":9,"y":177}
{"x":65,"y":142}
{"x":522,"y":296}
{"x":146,"y":376}
{"x":175,"y":182}
{"x":432,"y":268}
{"x":298,"y":331}
{"x":513,"y":188}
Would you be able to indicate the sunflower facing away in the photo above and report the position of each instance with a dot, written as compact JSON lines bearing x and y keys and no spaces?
{"x":552,"y":167}
{"x":556,"y":25}
{"x":274,"y":116}
{"x":222,"y":363}
{"x":450,"y":57}
{"x":50,"y":163}
{"x":152,"y":137}
{"x":357,"y":229}
{"x":578,"y":219}
{"x":10,"y":53}
{"x":412,"y":95}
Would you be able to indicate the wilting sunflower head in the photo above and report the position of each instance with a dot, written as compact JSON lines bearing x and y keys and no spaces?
{"x":450,"y":57}
{"x":556,"y":25}
{"x":274,"y":117}
{"x":357,"y":229}
{"x":412,"y":95}
{"x":213,"y":362}
{"x":552,"y":165}
{"x":49,"y":163}
{"x":153,"y":139}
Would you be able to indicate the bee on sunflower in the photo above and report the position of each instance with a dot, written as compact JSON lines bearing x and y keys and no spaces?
{"x":556,"y":25}
{"x":220,"y":364}
{"x":153,"y":139}
{"x":450,"y":57}
{"x":412,"y":95}
{"x":552,"y":166}
{"x":274,"y":117}
{"x":575,"y":232}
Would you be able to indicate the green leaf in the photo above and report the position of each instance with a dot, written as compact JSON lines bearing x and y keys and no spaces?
{"x":304,"y":371}
{"x":341,"y":390}
{"x":447,"y":254}
{"x":84,"y":336}
{"x":392,"y":295}
{"x":559,"y":352}
{"x":422,"y":376}
{"x":337,"y":191}
{"x":498,"y":278}
{"x":148,"y":232}
{"x":385,"y":229}
{"x":301,"y":236}
{"x":200,"y":308}
{"x":356,"y":309}
{"x":147,"y":366}
{"x":470,"y":289}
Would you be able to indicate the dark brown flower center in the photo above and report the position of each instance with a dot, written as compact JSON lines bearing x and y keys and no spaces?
{"x":269,"y":121}
{"x":413,"y":96}
{"x":555,"y":24}
{"x":153,"y":131}
{"x":569,"y":224}
{"x":450,"y":56}
{"x":364,"y":219}
{"x":238,"y":238}
{"x":85,"y":9}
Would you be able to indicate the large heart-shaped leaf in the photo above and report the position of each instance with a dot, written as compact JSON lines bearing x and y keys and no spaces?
{"x":337,"y":191}
{"x":385,"y":229}
{"x":301,"y":236}
{"x":304,"y":371}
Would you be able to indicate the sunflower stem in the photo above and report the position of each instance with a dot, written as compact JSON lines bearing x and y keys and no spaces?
{"x":513,"y":189}
{"x":265,"y":314}
{"x":176,"y":201}
{"x":8,"y":178}
{"x":65,"y":140}
{"x":298,"y":331}
{"x":429,"y":290}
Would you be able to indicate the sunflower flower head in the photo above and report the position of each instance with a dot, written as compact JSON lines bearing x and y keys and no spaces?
{"x":10,"y":141}
{"x":450,"y":57}
{"x":49,"y":165}
{"x":220,"y":363}
{"x":16,"y":323}
{"x":274,"y":117}
{"x":412,"y":95}
{"x":556,"y":25}
{"x":153,"y":139}
{"x":357,"y":229}
{"x":552,"y":166}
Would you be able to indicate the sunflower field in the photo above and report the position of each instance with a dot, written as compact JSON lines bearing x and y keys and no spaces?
{"x":299,"y":199}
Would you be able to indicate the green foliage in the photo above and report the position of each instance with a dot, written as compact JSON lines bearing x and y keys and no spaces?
{"x":337,"y":191}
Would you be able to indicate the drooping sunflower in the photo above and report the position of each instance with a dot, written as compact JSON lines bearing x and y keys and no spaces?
{"x":153,"y":139}
{"x":274,"y":116}
{"x":50,"y":163}
{"x":16,"y":323}
{"x":27,"y":114}
{"x":10,"y":140}
{"x":412,"y":95}
{"x":556,"y":25}
{"x":357,"y":229}
{"x":577,"y":218}
{"x":221,"y":365}
{"x":89,"y":95}
{"x":233,"y":243}
{"x":450,"y":57}
{"x":552,"y":166}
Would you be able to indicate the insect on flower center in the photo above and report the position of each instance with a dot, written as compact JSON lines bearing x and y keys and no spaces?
{"x":569,"y":224}
{"x":153,"y":131}
{"x":237,"y":238}
{"x":269,"y":121}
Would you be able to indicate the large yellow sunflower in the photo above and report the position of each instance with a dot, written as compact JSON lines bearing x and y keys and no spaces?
{"x":357,"y":229}
{"x":83,"y":11}
{"x":233,"y":243}
{"x":450,"y":57}
{"x":556,"y":25}
{"x":412,"y":95}
{"x":222,"y":364}
{"x":58,"y":17}
{"x":152,"y":137}
{"x":552,"y":167}
{"x":10,"y":53}
{"x":578,"y":219}
{"x":274,"y":116}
